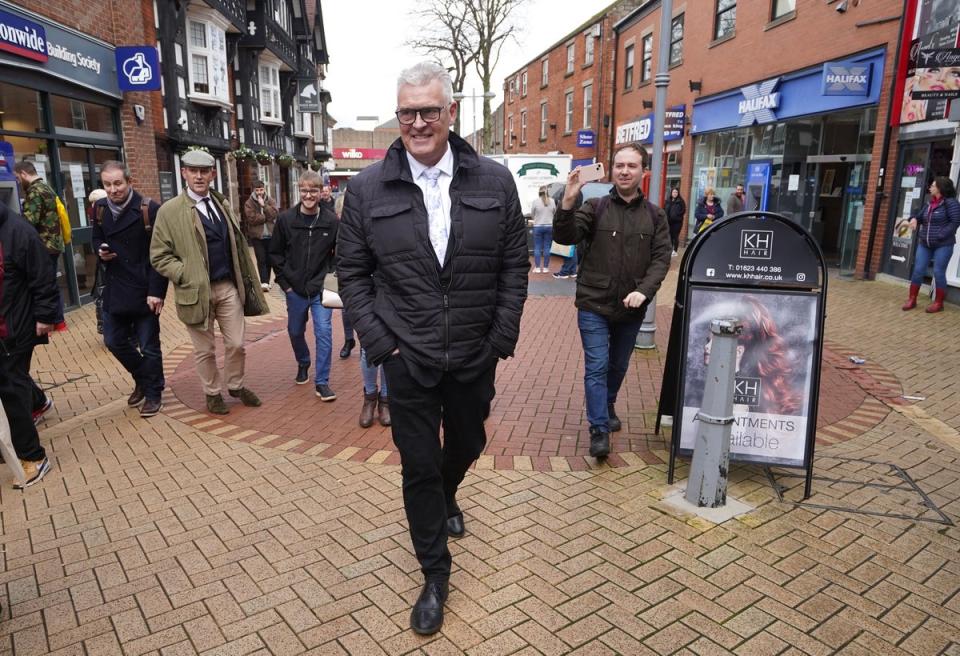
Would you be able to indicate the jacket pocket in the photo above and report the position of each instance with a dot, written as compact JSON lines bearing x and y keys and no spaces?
{"x":393,"y":231}
{"x":481,"y":222}
{"x":594,"y":279}
{"x":187,"y":295}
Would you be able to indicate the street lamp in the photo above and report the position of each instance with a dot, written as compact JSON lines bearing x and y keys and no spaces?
{"x":376,"y":121}
{"x":460,"y":95}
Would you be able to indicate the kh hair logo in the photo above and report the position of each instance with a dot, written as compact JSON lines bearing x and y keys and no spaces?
{"x":746,"y":391}
{"x":756,"y":244}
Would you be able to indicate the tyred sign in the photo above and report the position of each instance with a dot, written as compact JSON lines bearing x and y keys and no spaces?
{"x":359,"y":153}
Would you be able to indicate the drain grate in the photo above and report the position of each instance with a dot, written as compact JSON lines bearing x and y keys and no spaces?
{"x":865,"y":487}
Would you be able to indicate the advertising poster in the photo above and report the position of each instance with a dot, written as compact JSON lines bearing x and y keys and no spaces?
{"x":774,"y":371}
{"x":933,"y":77}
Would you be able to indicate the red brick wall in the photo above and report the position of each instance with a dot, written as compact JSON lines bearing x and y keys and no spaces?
{"x":119,"y":22}
{"x":760,"y":50}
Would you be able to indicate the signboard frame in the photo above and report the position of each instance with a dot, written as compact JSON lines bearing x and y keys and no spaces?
{"x":748,"y":271}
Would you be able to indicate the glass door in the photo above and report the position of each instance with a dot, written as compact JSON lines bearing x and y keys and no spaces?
{"x":853,"y":217}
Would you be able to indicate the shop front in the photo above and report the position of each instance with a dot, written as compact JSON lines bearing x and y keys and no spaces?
{"x":801,"y":145}
{"x":59,"y":103}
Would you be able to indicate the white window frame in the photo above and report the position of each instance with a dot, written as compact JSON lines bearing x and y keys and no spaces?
{"x":629,"y":65}
{"x":646,"y":58}
{"x":523,"y":127}
{"x":568,"y":112}
{"x":303,"y":122}
{"x":587,"y":105}
{"x":215,"y":55}
{"x":544,"y":121}
{"x":571,"y":57}
{"x":281,"y":15}
{"x":544,"y":72}
{"x":510,"y":131}
{"x":588,"y":48}
{"x":271,"y":86}
{"x":523,"y":84}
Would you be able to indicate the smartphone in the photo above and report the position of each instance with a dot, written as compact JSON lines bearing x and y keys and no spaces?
{"x":592,"y":172}
{"x":106,"y":248}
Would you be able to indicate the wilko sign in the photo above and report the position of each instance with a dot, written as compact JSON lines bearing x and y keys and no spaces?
{"x":23,"y":37}
{"x":359,"y":153}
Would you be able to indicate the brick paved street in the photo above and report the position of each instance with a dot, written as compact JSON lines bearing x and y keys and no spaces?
{"x":280,"y":530}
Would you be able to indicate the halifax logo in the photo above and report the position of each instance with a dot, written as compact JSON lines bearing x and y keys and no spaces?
{"x":846,"y":78}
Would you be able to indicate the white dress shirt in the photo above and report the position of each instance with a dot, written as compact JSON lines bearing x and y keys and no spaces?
{"x":446,"y":177}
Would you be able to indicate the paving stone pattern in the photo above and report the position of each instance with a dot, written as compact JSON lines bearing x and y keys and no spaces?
{"x":164,"y":537}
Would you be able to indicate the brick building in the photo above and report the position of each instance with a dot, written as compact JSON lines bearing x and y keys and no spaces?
{"x":62,"y":108}
{"x":564,"y":92}
{"x":355,"y":150}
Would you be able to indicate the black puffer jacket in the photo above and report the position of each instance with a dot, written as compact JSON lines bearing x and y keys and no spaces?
{"x":461,"y":317}
{"x":303,"y":255}
{"x":28,"y":292}
{"x":629,"y":250}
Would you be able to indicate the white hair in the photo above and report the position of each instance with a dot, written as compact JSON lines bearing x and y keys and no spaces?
{"x":424,"y":73}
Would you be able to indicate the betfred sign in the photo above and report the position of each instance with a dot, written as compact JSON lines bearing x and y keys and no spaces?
{"x":23,"y":37}
{"x":359,"y":153}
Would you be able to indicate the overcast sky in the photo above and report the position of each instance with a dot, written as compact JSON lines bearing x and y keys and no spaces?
{"x":367,"y":51}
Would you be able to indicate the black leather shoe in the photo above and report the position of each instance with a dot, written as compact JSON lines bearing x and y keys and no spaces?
{"x":347,"y":347}
{"x":599,"y":443}
{"x":455,"y":527}
{"x":613,"y":419}
{"x":427,"y":615}
{"x":136,"y":397}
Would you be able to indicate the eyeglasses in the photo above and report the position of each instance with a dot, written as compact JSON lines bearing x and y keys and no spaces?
{"x":428,"y":114}
{"x":309,"y":192}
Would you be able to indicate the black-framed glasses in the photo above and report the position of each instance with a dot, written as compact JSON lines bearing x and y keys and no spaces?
{"x":428,"y":114}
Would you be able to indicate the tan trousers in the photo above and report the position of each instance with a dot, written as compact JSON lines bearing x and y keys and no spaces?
{"x":227,"y":308}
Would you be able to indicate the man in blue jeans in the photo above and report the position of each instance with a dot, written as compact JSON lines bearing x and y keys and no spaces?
{"x":302,"y":251}
{"x":626,"y":255}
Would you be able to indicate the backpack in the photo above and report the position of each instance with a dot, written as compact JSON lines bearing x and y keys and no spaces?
{"x":65,"y":229}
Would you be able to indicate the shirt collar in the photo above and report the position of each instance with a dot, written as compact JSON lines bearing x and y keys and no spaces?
{"x":196,"y":197}
{"x":445,"y":164}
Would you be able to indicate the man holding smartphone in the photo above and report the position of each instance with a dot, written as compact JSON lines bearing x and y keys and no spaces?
{"x":259,"y":217}
{"x":133,"y":291}
{"x":627,"y":249}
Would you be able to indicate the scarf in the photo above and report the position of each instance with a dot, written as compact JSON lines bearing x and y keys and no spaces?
{"x":117,"y":210}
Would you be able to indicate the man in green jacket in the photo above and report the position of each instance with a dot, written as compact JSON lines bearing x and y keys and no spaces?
{"x":199,"y":246}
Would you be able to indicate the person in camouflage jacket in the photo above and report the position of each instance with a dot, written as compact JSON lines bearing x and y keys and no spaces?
{"x":40,"y":206}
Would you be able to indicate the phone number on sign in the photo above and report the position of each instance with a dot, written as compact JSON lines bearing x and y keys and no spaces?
{"x":754,"y":268}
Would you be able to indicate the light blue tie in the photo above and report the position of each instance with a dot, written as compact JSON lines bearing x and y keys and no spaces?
{"x":439,"y":234}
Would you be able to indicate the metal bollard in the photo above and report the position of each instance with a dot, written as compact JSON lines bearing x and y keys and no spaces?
{"x":707,"y":485}
{"x":648,"y":329}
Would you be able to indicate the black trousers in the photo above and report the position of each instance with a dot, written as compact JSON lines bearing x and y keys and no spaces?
{"x":432,"y":472}
{"x":261,"y":248}
{"x":17,"y":392}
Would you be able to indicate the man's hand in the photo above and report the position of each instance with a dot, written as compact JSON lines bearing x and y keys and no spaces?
{"x":634,"y":300}
{"x":106,"y":256}
{"x":572,"y":189}
{"x":44,"y":329}
{"x":155,"y":304}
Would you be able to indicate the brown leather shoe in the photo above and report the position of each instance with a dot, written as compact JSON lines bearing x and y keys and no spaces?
{"x":366,"y":412}
{"x":383,"y":410}
{"x":216,"y":405}
{"x":246,"y":397}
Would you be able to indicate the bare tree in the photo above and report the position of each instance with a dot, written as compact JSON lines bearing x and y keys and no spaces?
{"x":448,"y":36}
{"x":491,"y":24}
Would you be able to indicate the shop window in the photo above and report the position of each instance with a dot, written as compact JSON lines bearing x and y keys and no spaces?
{"x":568,"y":113}
{"x":21,"y":109}
{"x":571,"y":57}
{"x":544,"y":72}
{"x":207,"y":54}
{"x":726,"y":19}
{"x":543,"y":120}
{"x":782,"y":7}
{"x":646,"y":66}
{"x":270,"y":109}
{"x":587,"y":106}
{"x":628,"y":69}
{"x":77,"y":118}
{"x":588,"y":44}
{"x":676,"y":40}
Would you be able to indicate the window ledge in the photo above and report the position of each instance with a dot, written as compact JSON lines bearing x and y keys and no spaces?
{"x":568,"y":74}
{"x":722,"y":39}
{"x":676,"y":63}
{"x":627,"y":90}
{"x":567,"y":133}
{"x":303,"y":135}
{"x":786,"y":18}
{"x":645,"y":83}
{"x":587,"y":65}
{"x":542,"y":139}
{"x":274,"y":122}
{"x":209,"y":101}
{"x":544,"y":86}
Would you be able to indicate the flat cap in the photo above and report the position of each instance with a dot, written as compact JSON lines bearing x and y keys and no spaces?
{"x":198,"y":158}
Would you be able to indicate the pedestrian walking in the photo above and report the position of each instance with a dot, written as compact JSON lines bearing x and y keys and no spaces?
{"x":676,"y":211}
{"x":28,"y":312}
{"x":542,"y":211}
{"x":708,"y":210}
{"x":432,"y":260}
{"x":133,"y":291}
{"x":938,"y":222}
{"x":98,"y":276}
{"x":303,"y":250}
{"x":626,"y":257}
{"x":376,"y":400}
{"x":736,"y":200}
{"x":259,"y":216}
{"x":349,"y":342}
{"x":199,"y":246}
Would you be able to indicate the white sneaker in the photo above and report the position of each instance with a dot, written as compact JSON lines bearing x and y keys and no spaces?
{"x":536,"y":270}
{"x":673,"y":254}
{"x":265,"y":286}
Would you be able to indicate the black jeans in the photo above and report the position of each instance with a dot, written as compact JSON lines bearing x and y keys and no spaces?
{"x":261,"y":248}
{"x":347,"y":325}
{"x":122,"y":335}
{"x":17,"y":392}
{"x":431,"y":472}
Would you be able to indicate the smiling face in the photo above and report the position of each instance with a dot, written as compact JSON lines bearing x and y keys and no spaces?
{"x":115,"y":184}
{"x":198,"y":178}
{"x":627,"y":171}
{"x":426,"y":142}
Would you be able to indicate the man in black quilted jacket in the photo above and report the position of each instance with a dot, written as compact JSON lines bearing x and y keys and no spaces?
{"x":432,"y":264}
